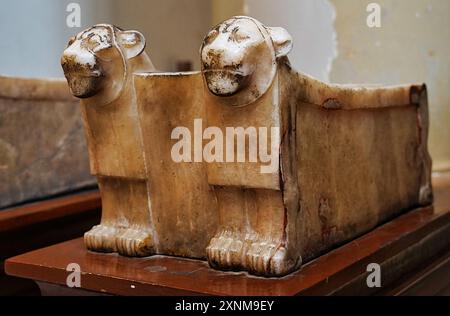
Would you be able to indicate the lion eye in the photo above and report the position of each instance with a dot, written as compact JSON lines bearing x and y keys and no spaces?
{"x":71,"y":40}
{"x":94,"y":40}
{"x":211,"y":36}
{"x":237,"y":36}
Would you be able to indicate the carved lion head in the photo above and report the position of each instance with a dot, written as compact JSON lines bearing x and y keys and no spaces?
{"x":239,"y":58}
{"x":95,"y":62}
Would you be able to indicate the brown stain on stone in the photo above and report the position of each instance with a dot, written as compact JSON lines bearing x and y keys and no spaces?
{"x":325,"y":214}
{"x":332,"y":104}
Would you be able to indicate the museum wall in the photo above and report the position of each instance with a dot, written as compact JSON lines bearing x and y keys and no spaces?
{"x":333,"y":42}
{"x":310,"y":23}
{"x":40,"y":33}
{"x":174,"y":31}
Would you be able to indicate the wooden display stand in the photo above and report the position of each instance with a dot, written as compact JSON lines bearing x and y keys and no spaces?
{"x":413,"y":251}
{"x":39,"y":224}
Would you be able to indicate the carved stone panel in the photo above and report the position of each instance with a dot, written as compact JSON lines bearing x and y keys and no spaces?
{"x":42,"y":142}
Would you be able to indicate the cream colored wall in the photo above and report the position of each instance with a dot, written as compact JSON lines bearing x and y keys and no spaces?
{"x":310,"y":23}
{"x":174,"y":29}
{"x":412,"y":45}
{"x":224,"y":9}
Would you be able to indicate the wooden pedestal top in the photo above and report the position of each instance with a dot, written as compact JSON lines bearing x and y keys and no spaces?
{"x":397,"y":246}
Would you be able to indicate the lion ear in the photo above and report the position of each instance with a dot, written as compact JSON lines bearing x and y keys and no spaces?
{"x":281,"y":39}
{"x":133,"y":43}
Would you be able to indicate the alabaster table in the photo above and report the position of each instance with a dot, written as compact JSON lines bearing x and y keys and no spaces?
{"x":412,"y":250}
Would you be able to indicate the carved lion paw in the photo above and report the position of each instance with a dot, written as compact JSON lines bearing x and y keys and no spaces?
{"x":134,"y":242}
{"x":225,"y":251}
{"x":270,"y":259}
{"x":234,"y":251}
{"x":101,"y":238}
